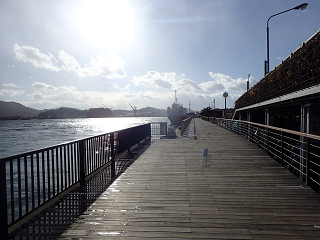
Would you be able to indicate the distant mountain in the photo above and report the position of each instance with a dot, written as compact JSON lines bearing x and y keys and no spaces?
{"x":13,"y":110}
{"x":65,"y":112}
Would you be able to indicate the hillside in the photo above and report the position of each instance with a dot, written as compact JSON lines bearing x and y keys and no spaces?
{"x":16,"y":110}
{"x":13,"y":110}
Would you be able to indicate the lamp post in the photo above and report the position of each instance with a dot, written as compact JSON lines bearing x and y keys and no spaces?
{"x":225,"y":95}
{"x":214,"y":110}
{"x":266,"y":63}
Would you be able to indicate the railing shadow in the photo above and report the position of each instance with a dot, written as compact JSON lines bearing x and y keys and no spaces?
{"x":54,"y":220}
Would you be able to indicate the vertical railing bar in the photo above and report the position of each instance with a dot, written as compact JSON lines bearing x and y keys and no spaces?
{"x":307,"y":160}
{"x":281,"y":147}
{"x":77,"y":162}
{"x":88,"y":162}
{"x":61,"y":169}
{"x":100,"y":159}
{"x":43,"y":178}
{"x":68,"y":162}
{"x":57,"y":170}
{"x":13,"y":203}
{"x":72,"y":163}
{"x":38,"y":179}
{"x":267,"y":147}
{"x":32,"y":182}
{"x":19,"y":187}
{"x":87,"y":156}
{"x":25,"y":161}
{"x":103,"y":149}
{"x":48,"y":172}
{"x":96,"y":155}
{"x":52,"y":173}
{"x":90,"y":150}
{"x":113,"y":166}
{"x":65,"y":167}
{"x":82,"y":174}
{"x":102,"y":152}
{"x":3,"y":201}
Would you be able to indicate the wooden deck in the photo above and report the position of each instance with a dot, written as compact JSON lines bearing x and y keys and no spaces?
{"x":241,"y":193}
{"x":170,"y":192}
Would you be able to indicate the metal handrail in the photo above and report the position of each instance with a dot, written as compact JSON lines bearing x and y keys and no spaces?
{"x":298,"y":151}
{"x":29,"y":181}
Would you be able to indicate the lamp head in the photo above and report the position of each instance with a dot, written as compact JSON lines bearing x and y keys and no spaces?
{"x":301,"y":7}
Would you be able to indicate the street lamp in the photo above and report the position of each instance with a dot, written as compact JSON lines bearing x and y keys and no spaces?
{"x":214,"y":110}
{"x":225,"y":95}
{"x":266,"y":63}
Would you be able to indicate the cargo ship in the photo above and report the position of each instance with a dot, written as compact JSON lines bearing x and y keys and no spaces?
{"x":176,"y":113}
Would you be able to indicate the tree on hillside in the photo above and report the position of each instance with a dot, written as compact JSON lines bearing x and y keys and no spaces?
{"x":100,"y":113}
{"x":63,"y":112}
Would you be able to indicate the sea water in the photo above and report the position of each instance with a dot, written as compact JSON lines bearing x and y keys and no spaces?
{"x":19,"y":136}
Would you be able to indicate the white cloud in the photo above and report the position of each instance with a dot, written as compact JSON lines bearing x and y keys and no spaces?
{"x":45,"y":87}
{"x":171,"y":81}
{"x":126,"y":88}
{"x":42,"y":86}
{"x":48,"y":96}
{"x":37,"y":59}
{"x":10,"y":85}
{"x":107,"y":65}
{"x":10,"y":92}
{"x":154,"y":79}
{"x":224,"y":82}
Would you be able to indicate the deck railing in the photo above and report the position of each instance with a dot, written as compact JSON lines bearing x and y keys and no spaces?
{"x":184,"y":125}
{"x":298,"y":151}
{"x":32,"y":180}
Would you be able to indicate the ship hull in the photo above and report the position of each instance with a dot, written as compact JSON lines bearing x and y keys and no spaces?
{"x":176,"y":120}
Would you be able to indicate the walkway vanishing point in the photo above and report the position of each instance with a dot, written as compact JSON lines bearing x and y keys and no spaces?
{"x":241,"y":193}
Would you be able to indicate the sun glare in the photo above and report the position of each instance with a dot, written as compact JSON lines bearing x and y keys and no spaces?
{"x":107,"y":23}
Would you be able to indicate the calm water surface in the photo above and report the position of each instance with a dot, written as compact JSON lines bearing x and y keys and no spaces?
{"x":26,"y":135}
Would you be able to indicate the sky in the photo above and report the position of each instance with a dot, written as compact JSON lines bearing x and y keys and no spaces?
{"x":109,"y":53}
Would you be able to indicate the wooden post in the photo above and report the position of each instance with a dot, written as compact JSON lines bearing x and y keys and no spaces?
{"x":3,"y":201}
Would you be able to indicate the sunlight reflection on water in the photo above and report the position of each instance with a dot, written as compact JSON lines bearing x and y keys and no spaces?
{"x":26,"y":135}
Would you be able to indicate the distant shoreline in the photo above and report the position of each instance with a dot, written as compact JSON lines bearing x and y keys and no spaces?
{"x":36,"y":118}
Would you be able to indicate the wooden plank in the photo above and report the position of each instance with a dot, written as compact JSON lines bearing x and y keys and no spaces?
{"x":241,"y":194}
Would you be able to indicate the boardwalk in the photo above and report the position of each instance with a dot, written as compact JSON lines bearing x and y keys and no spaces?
{"x":241,"y":193}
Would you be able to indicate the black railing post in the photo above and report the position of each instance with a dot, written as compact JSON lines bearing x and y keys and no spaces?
{"x":113,"y":164}
{"x":129,"y":139}
{"x":281,"y":152}
{"x":258,"y":137}
{"x":82,"y":169}
{"x":3,"y":201}
{"x":307,"y":160}
{"x":267,"y":137}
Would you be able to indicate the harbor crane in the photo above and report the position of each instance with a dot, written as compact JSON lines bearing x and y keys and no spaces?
{"x":134,"y":109}
{"x":107,"y":107}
